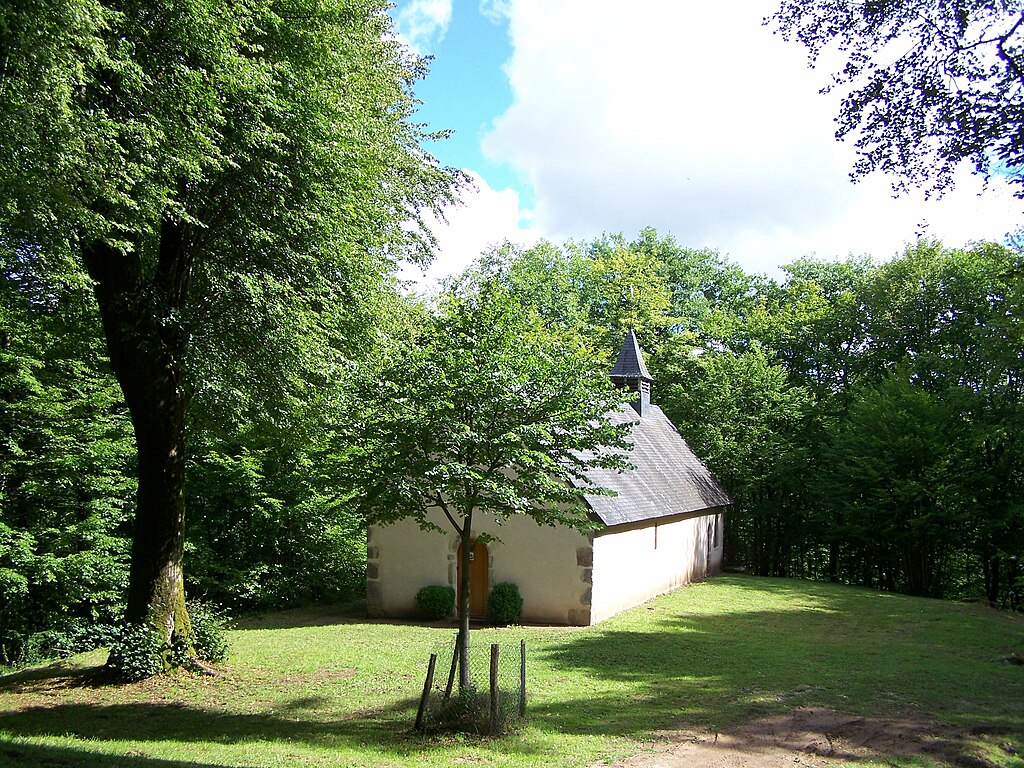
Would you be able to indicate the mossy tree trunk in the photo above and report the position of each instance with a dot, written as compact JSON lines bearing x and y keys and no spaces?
{"x":147,"y":342}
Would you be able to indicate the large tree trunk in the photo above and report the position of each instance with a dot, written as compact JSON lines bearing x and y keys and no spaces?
{"x":147,"y":343}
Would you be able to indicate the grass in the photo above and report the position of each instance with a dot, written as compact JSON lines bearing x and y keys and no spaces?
{"x":312,"y":688}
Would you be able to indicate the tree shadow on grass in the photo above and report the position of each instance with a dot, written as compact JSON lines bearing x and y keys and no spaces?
{"x":84,"y":702}
{"x":293,"y":721}
{"x":13,"y":754}
{"x":307,"y":720}
{"x":57,"y":675}
{"x":385,"y":732}
{"x":849,"y":650}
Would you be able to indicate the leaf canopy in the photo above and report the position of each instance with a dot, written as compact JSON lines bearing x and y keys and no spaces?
{"x":486,"y":409}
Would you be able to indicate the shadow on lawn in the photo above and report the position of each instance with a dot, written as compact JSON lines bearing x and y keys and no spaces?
{"x":14,"y":754}
{"x":189,"y":723}
{"x":55,"y":676}
{"x":302,"y":720}
{"x":855,"y":651}
{"x":386,"y":730}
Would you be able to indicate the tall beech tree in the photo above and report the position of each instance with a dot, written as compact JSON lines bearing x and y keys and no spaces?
{"x":927,"y":85}
{"x":487,"y":411}
{"x":235,"y":178}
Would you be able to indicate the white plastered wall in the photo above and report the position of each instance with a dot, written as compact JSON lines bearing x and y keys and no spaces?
{"x":635,"y":562}
{"x":550,"y":565}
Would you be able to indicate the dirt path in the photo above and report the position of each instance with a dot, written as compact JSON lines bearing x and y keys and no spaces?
{"x":808,"y":738}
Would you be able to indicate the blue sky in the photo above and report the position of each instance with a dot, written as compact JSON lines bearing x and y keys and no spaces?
{"x":466,"y":89}
{"x":582,"y":118}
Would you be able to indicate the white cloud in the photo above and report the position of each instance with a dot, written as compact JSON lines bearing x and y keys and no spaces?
{"x":497,"y":11}
{"x":696,"y":119}
{"x":487,"y":217}
{"x":421,"y":24}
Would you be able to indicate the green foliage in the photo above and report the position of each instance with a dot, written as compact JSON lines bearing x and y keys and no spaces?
{"x":489,"y":410}
{"x":596,"y":292}
{"x":271,"y":527}
{"x":743,"y":416}
{"x":237,"y":180}
{"x":115,"y":117}
{"x":136,"y":653}
{"x":208,"y":625}
{"x":436,"y":601}
{"x":948,"y":92}
{"x":893,"y":452}
{"x":782,"y":387}
{"x":628,"y":290}
{"x":66,"y":457}
{"x":504,"y":603}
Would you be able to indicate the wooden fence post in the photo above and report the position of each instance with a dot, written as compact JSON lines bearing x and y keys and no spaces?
{"x":494,"y":689}
{"x":427,"y":685}
{"x":451,"y":673}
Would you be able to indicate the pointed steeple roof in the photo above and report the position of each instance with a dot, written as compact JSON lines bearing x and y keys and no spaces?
{"x":630,"y":362}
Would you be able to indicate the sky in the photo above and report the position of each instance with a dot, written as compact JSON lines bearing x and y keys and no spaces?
{"x":580,"y":118}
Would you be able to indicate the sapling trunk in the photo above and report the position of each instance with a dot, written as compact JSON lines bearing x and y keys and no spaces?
{"x":465,"y":580}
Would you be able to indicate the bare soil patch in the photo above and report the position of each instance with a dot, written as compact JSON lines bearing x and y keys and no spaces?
{"x":814,"y":738}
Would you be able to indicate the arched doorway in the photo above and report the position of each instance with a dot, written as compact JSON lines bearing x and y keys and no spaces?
{"x":477,"y":580}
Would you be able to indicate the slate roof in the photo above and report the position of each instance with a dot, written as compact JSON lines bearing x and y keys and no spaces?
{"x":630,"y":362}
{"x":669,"y":479}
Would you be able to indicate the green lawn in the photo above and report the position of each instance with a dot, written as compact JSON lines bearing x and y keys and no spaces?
{"x":312,"y":688}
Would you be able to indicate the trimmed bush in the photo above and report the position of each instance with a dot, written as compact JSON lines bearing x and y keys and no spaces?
{"x":436,"y":602}
{"x":504,"y":604}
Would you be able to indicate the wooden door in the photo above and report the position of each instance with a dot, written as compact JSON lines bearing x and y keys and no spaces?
{"x":477,"y":580}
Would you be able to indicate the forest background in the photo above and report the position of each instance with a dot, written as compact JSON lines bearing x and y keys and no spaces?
{"x":866,"y":417}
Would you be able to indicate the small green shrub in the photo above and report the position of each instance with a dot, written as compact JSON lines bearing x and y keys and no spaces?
{"x":504,"y":604}
{"x":436,"y":602}
{"x":208,"y":632}
{"x":136,"y":653}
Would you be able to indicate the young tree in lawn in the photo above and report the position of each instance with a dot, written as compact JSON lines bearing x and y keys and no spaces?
{"x":488,"y":411}
{"x":236,"y":179}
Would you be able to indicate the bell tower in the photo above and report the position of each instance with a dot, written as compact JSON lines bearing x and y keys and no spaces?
{"x":631,"y":372}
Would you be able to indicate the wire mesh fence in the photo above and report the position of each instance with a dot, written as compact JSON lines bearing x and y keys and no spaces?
{"x":493,"y":701}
